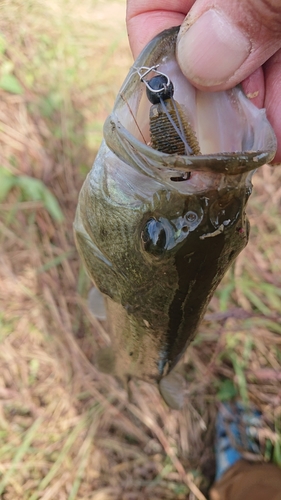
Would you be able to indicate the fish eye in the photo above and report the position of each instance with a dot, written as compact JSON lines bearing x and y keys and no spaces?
{"x":154,"y":237}
{"x":191,"y":217}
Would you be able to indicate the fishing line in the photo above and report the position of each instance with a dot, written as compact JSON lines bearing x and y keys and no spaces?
{"x":180,"y":131}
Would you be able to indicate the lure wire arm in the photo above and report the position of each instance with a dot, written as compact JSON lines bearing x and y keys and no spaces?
{"x":146,"y":70}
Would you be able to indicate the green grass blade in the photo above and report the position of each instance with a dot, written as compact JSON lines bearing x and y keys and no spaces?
{"x":55,"y":262}
{"x":20,"y":453}
{"x":62,"y":456}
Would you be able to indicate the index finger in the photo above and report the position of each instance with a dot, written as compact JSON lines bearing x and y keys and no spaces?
{"x":145,"y":19}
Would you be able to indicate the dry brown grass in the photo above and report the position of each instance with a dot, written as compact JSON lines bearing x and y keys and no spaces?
{"x":66,"y":431}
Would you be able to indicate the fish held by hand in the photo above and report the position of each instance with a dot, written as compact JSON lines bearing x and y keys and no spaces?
{"x":161,"y":215}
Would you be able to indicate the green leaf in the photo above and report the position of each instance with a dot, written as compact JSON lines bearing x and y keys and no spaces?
{"x":225,"y":296}
{"x":52,"y":205}
{"x":2,"y":44}
{"x":257,"y":302}
{"x":7,"y":182}
{"x":239,"y":365}
{"x":31,"y":188}
{"x":50,"y":104}
{"x":35,"y":189}
{"x":227,"y":390}
{"x":277,"y":453}
{"x":10,"y":83}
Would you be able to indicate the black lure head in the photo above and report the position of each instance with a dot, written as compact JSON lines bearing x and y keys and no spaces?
{"x":159,"y":87}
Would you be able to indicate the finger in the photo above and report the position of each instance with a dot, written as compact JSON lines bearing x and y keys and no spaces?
{"x":220,"y":46}
{"x":147,"y":18}
{"x":253,"y":87}
{"x":272,"y":72}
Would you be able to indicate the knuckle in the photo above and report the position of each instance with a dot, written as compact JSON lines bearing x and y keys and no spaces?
{"x":268,"y":14}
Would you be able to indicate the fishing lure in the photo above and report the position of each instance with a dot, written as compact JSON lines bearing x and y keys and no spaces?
{"x":169,"y":130}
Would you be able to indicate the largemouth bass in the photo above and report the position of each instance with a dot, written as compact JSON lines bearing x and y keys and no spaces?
{"x":157,"y":227}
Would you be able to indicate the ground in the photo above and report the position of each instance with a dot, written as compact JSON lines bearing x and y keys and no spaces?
{"x":68,"y":432}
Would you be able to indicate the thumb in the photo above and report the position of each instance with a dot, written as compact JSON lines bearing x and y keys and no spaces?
{"x":221,"y":45}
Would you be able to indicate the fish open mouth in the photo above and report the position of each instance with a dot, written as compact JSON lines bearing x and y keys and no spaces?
{"x":189,"y":131}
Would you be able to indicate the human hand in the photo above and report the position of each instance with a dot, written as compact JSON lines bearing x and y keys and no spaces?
{"x":221,"y":43}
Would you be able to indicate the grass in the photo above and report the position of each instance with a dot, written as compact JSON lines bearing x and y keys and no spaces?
{"x":66,"y":431}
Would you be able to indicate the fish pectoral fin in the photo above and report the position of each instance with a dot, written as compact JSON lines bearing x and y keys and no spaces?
{"x":83,"y":238}
{"x":173,"y":389}
{"x":96,"y":304}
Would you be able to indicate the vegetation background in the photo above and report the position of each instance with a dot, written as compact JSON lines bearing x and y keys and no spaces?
{"x":67,"y":432}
